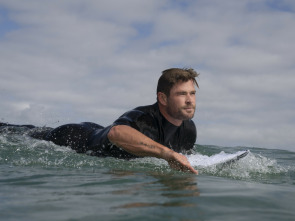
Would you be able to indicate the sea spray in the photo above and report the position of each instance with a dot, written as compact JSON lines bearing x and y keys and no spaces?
{"x":18,"y":149}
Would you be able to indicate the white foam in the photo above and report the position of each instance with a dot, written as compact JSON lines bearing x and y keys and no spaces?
{"x":198,"y":160}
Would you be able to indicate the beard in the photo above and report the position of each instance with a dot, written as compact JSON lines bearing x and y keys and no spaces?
{"x":182,"y":113}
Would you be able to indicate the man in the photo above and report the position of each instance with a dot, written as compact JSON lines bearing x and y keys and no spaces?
{"x":162,"y":130}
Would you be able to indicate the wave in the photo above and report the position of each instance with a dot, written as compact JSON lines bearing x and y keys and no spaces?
{"x":260,"y":165}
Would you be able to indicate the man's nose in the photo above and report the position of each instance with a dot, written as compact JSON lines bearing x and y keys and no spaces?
{"x":189,"y":98}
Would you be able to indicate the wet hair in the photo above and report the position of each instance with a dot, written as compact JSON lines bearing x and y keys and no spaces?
{"x":172,"y":76}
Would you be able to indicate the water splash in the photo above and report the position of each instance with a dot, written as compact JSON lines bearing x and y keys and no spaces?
{"x":253,"y":167}
{"x":20,"y":150}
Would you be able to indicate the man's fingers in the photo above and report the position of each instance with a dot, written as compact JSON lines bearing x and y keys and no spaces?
{"x":180,"y":162}
{"x":182,"y":167}
{"x":189,"y":168}
{"x":187,"y":165}
{"x":194,"y":171}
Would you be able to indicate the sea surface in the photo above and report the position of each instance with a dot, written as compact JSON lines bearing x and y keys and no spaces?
{"x":42,"y":181}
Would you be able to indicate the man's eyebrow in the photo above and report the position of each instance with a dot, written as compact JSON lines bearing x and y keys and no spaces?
{"x":184,"y":91}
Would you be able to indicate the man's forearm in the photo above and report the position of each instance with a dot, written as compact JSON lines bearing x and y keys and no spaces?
{"x":139,"y":144}
{"x":136,"y":143}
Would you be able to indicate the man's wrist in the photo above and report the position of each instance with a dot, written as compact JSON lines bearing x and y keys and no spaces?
{"x":167,"y":154}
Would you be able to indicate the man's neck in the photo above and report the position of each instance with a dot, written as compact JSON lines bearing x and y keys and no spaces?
{"x":172,"y":120}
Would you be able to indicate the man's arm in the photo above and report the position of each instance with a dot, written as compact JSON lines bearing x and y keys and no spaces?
{"x":138,"y":144}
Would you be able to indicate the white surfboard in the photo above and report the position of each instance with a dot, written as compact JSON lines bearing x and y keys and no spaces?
{"x":222,"y":158}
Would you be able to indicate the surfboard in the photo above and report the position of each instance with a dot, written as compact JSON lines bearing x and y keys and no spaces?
{"x":220,"y":159}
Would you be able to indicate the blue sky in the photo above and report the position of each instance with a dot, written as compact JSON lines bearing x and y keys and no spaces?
{"x":74,"y":61}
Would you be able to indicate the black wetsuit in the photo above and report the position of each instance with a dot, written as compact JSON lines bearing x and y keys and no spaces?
{"x":92,"y":138}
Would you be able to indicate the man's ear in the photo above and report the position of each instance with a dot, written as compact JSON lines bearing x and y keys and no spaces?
{"x":162,"y":98}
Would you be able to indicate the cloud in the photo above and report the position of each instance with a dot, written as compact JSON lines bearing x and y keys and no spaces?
{"x":73,"y":61}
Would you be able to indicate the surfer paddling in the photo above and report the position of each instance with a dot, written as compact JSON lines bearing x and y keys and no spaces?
{"x":163,"y":130}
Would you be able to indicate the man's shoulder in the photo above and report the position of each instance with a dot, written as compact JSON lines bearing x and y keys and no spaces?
{"x":147,"y":108}
{"x":189,"y":125}
{"x":189,"y":122}
{"x":190,"y":131}
{"x":147,"y":113}
{"x":141,"y":113}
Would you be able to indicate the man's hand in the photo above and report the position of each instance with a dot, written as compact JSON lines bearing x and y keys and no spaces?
{"x":179,"y":162}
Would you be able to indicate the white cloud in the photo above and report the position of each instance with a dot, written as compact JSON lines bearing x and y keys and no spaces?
{"x":72,"y":61}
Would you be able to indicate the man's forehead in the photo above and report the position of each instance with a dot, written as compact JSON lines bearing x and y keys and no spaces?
{"x":186,"y":86}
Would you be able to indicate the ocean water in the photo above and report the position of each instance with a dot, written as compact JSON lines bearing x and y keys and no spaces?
{"x":42,"y":181}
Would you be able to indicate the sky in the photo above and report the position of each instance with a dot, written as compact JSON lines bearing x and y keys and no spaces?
{"x":74,"y":61}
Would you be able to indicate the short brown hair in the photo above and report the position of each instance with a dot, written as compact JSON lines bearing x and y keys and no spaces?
{"x":172,"y":76}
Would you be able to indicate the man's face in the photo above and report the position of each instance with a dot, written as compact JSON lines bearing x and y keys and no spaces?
{"x":181,"y":103}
